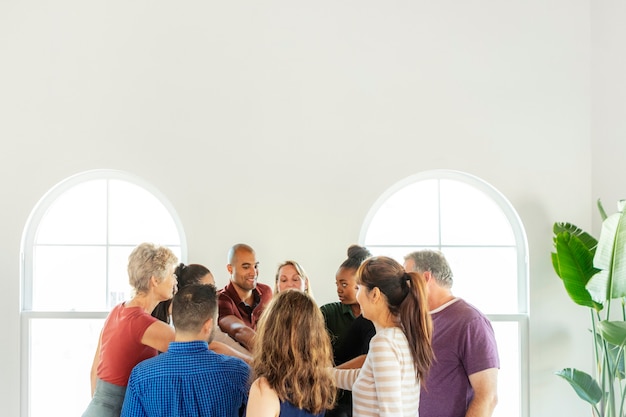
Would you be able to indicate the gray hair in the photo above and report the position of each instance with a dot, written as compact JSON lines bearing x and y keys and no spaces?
{"x":433,"y":262}
{"x":148,"y":260}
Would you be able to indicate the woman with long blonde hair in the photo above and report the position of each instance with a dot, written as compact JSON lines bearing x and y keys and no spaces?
{"x":292,"y":360}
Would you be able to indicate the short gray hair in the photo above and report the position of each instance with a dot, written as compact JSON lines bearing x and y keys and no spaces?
{"x":148,"y":260}
{"x":433,"y":262}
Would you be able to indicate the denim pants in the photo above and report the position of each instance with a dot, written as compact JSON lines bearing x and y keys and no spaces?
{"x":107,"y":400}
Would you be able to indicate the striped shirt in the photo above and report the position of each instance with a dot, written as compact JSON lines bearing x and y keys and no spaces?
{"x":386,"y":385}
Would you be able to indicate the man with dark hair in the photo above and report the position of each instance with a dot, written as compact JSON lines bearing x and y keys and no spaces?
{"x":243,"y":300}
{"x":463,"y":379}
{"x":189,"y":379}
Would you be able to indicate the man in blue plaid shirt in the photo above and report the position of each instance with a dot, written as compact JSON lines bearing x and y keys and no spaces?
{"x":189,"y":379}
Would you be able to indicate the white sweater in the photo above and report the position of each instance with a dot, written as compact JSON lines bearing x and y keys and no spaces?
{"x":386,"y":385}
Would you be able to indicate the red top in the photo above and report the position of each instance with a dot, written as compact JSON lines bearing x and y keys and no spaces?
{"x":231,"y":305}
{"x":121,"y":348}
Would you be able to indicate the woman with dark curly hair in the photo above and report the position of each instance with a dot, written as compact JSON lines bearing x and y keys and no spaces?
{"x":350,"y":333}
{"x":292,"y":360}
{"x":200,"y":274}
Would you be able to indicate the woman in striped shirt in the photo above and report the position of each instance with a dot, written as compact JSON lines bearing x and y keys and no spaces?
{"x":400,"y":353}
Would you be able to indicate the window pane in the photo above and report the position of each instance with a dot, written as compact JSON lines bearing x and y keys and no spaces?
{"x":509,"y":377}
{"x":396,"y":252}
{"x":470,"y":217}
{"x":469,"y":223}
{"x":478,"y":272}
{"x":119,"y":288}
{"x":409,"y":217}
{"x":61,"y":353}
{"x":69,"y":278}
{"x":78,"y":216}
{"x":136,"y":215}
{"x":76,"y":255}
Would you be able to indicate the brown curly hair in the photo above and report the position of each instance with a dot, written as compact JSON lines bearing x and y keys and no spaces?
{"x":293,"y":352}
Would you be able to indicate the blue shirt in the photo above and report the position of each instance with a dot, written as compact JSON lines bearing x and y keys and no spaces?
{"x":187,"y":380}
{"x":289,"y":410}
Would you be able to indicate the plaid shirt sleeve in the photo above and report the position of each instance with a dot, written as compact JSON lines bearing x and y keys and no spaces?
{"x":132,"y":406}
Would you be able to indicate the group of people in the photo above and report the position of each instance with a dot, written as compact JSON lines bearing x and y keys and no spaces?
{"x":397,"y":343}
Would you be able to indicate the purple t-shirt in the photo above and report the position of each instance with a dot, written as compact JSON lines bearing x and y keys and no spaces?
{"x":464,"y":343}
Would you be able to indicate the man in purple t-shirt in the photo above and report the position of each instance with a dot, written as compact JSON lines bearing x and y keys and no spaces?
{"x":463,"y":378}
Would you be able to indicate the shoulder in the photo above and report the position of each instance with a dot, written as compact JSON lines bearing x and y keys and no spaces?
{"x":236,"y":372}
{"x":361,"y":322}
{"x":261,"y":385}
{"x":264,"y":290}
{"x":460,"y":313}
{"x":468,"y":315}
{"x":227,"y":289}
{"x":118,"y":308}
{"x":467,"y":308}
{"x":227,"y":294}
{"x":263,"y":397}
{"x":262,"y":388}
{"x":331,"y":308}
{"x":387,"y":340}
{"x":138,"y":320}
{"x":235,"y":365}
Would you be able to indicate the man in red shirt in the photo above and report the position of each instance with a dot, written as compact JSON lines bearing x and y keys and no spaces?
{"x":243,"y":300}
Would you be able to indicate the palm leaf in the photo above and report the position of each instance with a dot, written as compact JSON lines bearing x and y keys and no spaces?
{"x":614,"y":334}
{"x":584,"y":385}
{"x":610,"y":257}
{"x":573,"y":263}
{"x":589,"y":241}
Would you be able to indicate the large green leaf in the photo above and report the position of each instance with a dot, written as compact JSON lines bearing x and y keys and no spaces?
{"x":589,"y":241}
{"x":614,"y":335}
{"x":610,"y":257}
{"x":585,"y":386}
{"x":613,"y":332}
{"x":573,"y":263}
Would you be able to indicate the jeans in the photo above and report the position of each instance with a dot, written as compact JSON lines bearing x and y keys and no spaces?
{"x":107,"y":400}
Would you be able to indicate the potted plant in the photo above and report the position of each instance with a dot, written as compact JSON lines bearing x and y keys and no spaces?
{"x":594,"y":275}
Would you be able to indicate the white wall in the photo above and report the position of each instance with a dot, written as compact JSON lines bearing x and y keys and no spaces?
{"x":608,"y":66}
{"x":279,"y":123}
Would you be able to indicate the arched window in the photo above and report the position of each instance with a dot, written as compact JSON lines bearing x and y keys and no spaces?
{"x":75,"y":251}
{"x":484,"y":241}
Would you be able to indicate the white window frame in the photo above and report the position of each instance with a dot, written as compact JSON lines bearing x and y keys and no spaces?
{"x":26,"y":268}
{"x":521,"y":244}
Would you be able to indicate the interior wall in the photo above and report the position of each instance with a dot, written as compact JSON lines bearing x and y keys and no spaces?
{"x":608,"y":66}
{"x":279,"y":124}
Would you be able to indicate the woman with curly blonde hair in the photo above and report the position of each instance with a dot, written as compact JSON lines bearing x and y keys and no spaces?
{"x":130,"y":334}
{"x":292,"y":360}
